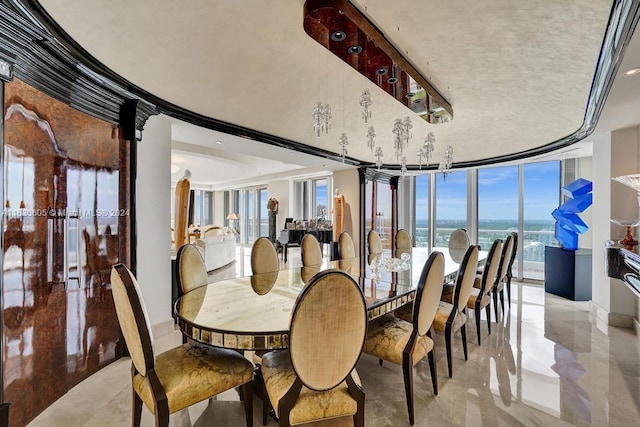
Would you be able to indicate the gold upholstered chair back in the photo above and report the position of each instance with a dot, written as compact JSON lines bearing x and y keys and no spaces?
{"x":466,"y":277}
{"x":132,"y":317}
{"x":346,"y":246}
{"x":264,"y":258}
{"x":310,"y":250}
{"x":458,"y":244}
{"x":428,"y":293}
{"x":403,"y":241}
{"x":191,"y":269}
{"x":374,"y":244}
{"x":327,"y":332}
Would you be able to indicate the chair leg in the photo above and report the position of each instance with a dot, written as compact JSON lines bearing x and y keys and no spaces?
{"x":162,"y":418}
{"x":136,"y":409}
{"x":247,"y":398}
{"x":407,"y":371}
{"x":476,"y":312}
{"x":508,"y":286}
{"x":502,"y":300}
{"x":463,"y":335}
{"x":447,"y":339}
{"x":266,"y":403}
{"x":434,"y":371}
{"x":488,"y":310}
{"x":380,"y":361}
{"x":495,"y":303}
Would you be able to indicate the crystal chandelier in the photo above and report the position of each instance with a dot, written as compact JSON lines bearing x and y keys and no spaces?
{"x":398,"y":140}
{"x":424,"y":153}
{"x":406,"y":130}
{"x":379,"y":157}
{"x":365,"y":103}
{"x":402,"y":131}
{"x":371,"y":135}
{"x":447,"y":162}
{"x":344,"y":141}
{"x":322,"y":118}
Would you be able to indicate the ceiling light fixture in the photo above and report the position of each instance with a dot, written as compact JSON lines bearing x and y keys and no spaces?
{"x":632,"y":71}
{"x":344,"y":30}
{"x":219,"y":142}
{"x":174,"y":168}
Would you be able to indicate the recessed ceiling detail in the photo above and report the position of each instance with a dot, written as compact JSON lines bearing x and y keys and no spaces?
{"x":347,"y":33}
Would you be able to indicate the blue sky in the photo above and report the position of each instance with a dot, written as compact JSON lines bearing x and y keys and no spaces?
{"x":497,"y":192}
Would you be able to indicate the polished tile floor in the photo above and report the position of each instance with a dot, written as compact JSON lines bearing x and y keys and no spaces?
{"x":546,"y":363}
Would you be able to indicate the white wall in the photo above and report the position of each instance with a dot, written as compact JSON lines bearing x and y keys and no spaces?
{"x":585,"y":170}
{"x":349,"y":184}
{"x":153,"y":224}
{"x":219,"y":217}
{"x":614,"y":155}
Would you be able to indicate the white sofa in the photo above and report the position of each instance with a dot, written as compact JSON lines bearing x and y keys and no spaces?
{"x":218,"y":247}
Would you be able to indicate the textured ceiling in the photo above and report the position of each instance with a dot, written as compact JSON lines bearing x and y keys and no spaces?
{"x":517,"y":74}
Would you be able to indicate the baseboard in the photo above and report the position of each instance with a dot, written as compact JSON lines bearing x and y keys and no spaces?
{"x":599,"y":313}
{"x":163,"y":328}
{"x":621,"y":320}
{"x":636,"y":327}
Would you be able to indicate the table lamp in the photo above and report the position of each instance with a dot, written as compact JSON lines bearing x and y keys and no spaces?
{"x":232,"y":217}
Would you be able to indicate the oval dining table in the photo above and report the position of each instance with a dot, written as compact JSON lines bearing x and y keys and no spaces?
{"x":253,"y":312}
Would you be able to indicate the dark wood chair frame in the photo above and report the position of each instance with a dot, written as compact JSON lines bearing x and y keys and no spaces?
{"x":448,"y":332}
{"x":159,"y":396}
{"x":288,"y":401}
{"x":407,"y":353}
{"x":477,"y":309}
{"x":506,"y":277}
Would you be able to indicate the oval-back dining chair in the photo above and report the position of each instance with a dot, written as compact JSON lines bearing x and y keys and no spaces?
{"x":458,"y":244}
{"x":264,"y":258}
{"x":506,"y":261}
{"x":374,"y":246}
{"x":406,"y":343}
{"x":346,"y":246}
{"x":452,"y":316}
{"x":480,"y":296}
{"x":310,"y":251}
{"x":316,"y":378}
{"x":191,"y":270}
{"x":403,"y":242}
{"x":180,"y":377}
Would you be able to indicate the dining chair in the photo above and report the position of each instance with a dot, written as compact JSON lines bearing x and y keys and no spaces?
{"x":191,"y":272}
{"x":264,"y":258}
{"x":406,"y":343}
{"x":180,"y":377}
{"x":508,"y":250}
{"x":452,"y":317}
{"x":458,"y":244}
{"x":346,"y":246}
{"x":316,"y":377}
{"x":480,"y":296}
{"x":374,"y":246}
{"x":510,"y":266}
{"x":403,"y":242}
{"x":310,"y":250}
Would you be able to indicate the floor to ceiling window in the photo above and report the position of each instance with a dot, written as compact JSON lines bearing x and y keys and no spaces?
{"x":422,"y":210}
{"x":312,"y":198}
{"x":497,"y":203}
{"x":263,"y":213}
{"x":509,"y":198}
{"x":451,"y":205}
{"x":541,"y":195}
{"x":248,"y":219}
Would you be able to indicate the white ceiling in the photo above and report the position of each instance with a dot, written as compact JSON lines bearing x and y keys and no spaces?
{"x":517,"y":74}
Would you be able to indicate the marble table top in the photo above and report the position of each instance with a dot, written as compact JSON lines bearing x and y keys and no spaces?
{"x":253,"y":312}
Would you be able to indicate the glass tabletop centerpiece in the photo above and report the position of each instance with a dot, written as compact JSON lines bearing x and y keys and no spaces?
{"x":390,"y":265}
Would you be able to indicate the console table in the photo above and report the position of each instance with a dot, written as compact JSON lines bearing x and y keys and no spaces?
{"x":294,"y":237}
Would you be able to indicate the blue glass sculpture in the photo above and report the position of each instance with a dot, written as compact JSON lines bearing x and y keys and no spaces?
{"x":568,"y":223}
